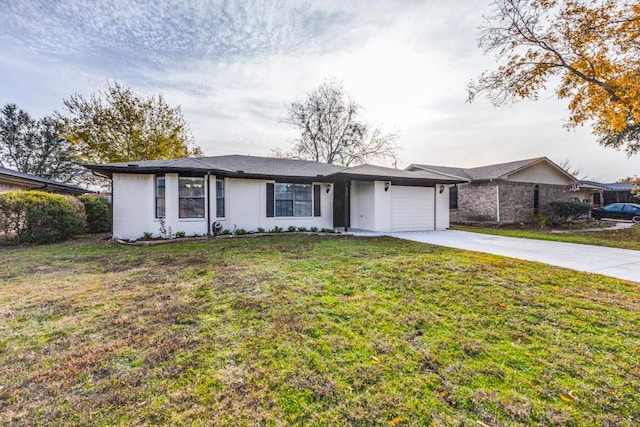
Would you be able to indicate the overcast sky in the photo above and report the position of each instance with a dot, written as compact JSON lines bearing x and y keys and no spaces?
{"x":234,"y":66}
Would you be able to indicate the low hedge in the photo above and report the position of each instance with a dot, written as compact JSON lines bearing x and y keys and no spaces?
{"x":559,"y":212}
{"x":38,"y":217}
{"x":98,"y":213}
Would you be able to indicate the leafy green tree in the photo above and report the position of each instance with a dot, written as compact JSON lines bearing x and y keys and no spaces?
{"x":117,"y":125}
{"x":36,"y":147}
{"x":332,"y":130}
{"x":588,"y":49}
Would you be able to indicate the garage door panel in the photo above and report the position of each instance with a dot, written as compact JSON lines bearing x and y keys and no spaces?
{"x":412,"y":208}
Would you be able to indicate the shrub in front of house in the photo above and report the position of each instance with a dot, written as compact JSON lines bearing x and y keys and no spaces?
{"x":38,"y":217}
{"x":560,"y":212}
{"x":98,"y":213}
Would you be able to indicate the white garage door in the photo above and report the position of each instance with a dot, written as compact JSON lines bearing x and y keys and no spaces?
{"x":412,"y":208}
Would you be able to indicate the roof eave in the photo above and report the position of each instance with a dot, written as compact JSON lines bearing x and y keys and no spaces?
{"x":161,"y":170}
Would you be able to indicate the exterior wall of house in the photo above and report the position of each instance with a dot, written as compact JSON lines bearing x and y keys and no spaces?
{"x":133,"y":205}
{"x":245,"y":207}
{"x":476,"y":203}
{"x":373,"y":208}
{"x":541,"y":173}
{"x":382,"y":207}
{"x":173,"y":222}
{"x":442,"y":208}
{"x":363,"y":205}
{"x":6,"y":187}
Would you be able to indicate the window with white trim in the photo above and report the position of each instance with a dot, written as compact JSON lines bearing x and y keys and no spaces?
{"x":191,"y":197}
{"x":293,"y":200}
{"x":219,"y":198}
{"x":160,"y":206}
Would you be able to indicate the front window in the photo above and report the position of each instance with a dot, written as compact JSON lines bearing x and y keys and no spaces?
{"x":191,"y":197}
{"x":453,"y":197}
{"x":220,"y":198}
{"x":160,"y":206}
{"x":293,"y":200}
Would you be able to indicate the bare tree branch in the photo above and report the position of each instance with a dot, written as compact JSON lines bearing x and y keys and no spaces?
{"x":333,"y":131}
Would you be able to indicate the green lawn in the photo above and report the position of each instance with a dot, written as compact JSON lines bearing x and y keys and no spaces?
{"x":624,"y":239}
{"x":310,"y":330}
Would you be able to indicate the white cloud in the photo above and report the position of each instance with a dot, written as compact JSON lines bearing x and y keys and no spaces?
{"x":235,"y":66}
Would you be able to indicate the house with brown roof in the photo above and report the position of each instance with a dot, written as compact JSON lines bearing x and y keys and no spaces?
{"x":12,"y":180}
{"x":508,"y":192}
{"x":201,"y":195}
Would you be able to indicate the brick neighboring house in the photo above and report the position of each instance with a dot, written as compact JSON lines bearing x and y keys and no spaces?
{"x":11,"y":180}
{"x":508,"y":192}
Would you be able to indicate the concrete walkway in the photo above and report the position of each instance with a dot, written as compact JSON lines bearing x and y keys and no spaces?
{"x":618,"y":263}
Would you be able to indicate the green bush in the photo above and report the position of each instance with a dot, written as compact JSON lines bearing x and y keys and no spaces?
{"x":559,"y":212}
{"x":291,"y":229}
{"x":240,"y":232}
{"x":180,"y":234}
{"x":276,"y":229}
{"x":261,"y":230}
{"x":98,"y":213}
{"x":38,"y":217}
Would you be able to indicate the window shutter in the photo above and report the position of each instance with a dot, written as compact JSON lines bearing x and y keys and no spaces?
{"x":316,"y":200}
{"x":270,"y":204}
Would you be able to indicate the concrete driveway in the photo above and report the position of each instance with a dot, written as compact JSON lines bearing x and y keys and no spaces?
{"x":619,"y":263}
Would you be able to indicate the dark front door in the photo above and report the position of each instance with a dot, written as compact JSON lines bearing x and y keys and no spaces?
{"x":341,"y":205}
{"x":536,"y":199}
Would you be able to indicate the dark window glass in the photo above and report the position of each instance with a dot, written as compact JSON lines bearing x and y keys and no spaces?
{"x":160,"y":206}
{"x":293,"y":200}
{"x":191,"y":197}
{"x":220,"y":198}
{"x":453,"y":197}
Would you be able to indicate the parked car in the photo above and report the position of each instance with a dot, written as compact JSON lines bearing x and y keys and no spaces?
{"x":624,"y":211}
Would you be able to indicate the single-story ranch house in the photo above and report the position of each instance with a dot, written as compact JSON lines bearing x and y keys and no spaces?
{"x":508,"y":192}
{"x":191,"y":195}
{"x":11,"y":180}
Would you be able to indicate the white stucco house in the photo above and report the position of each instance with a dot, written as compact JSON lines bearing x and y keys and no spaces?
{"x":193,"y":194}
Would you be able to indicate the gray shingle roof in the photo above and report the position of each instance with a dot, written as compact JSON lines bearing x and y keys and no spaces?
{"x":41,"y":182}
{"x":373,"y":171}
{"x":253,"y":166}
{"x":230,"y":165}
{"x":485,"y":173}
{"x":612,"y":186}
{"x":446,"y":170}
{"x":619,"y":186}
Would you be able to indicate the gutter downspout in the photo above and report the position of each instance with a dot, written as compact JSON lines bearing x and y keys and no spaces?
{"x":208,"y":204}
{"x":497,"y":201}
{"x":435,"y":207}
